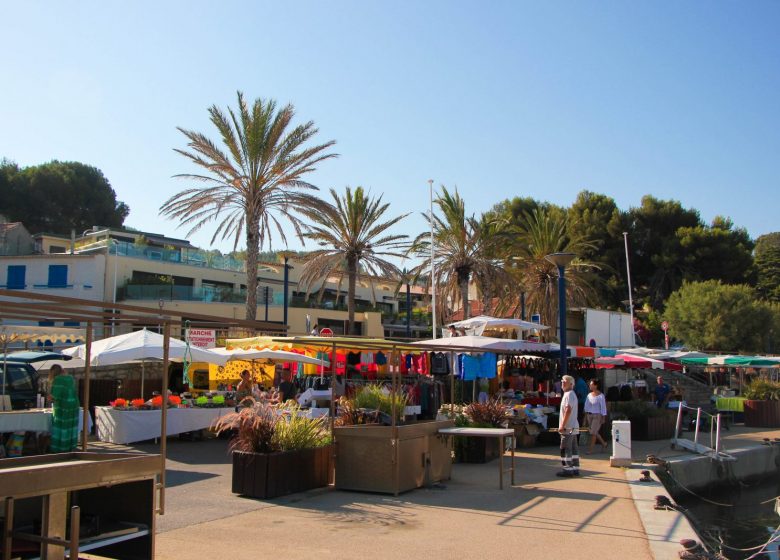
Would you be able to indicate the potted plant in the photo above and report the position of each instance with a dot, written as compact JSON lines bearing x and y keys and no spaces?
{"x":648,"y":422}
{"x":276,"y":450}
{"x":762,"y":404}
{"x":490,"y":414}
{"x":375,"y":456}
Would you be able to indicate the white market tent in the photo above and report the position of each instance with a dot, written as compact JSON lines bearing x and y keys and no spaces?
{"x":250,"y":354}
{"x":478,"y":325}
{"x":142,"y":345}
{"x":477,"y":343}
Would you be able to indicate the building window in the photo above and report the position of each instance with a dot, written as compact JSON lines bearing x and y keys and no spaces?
{"x":57,"y":249}
{"x":58,"y":276}
{"x":16,"y":274}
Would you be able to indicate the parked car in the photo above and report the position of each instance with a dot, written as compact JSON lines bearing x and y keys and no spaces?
{"x":21,"y":384}
{"x":22,"y":379}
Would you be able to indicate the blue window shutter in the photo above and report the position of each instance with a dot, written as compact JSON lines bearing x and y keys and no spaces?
{"x":16,"y":277}
{"x":45,"y":323}
{"x":58,"y":275}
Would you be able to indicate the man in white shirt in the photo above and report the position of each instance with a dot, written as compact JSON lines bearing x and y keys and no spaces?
{"x":569,"y":427}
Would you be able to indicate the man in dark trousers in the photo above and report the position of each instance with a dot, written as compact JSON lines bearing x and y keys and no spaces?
{"x":569,"y":428}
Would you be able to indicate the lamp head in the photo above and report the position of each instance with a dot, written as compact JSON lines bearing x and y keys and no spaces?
{"x":561,"y":260}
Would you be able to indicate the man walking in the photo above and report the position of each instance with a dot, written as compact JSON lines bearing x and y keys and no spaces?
{"x":568,"y":427}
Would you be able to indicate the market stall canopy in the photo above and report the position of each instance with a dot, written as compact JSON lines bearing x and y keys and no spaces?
{"x":141,"y":345}
{"x":636,"y":362}
{"x":10,"y":334}
{"x":477,"y":343}
{"x":731,"y":361}
{"x":478,"y":325}
{"x":658,"y":354}
{"x":576,"y":351}
{"x":250,"y":354}
{"x":30,"y":356}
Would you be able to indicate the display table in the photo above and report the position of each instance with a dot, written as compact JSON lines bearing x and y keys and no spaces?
{"x":33,"y":420}
{"x":730,"y":404}
{"x":500,"y":433}
{"x":129,"y":426}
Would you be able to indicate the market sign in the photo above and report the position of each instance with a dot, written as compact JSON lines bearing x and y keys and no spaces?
{"x":202,"y":338}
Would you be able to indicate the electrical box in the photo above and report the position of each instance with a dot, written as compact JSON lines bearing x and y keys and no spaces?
{"x":621,"y":444}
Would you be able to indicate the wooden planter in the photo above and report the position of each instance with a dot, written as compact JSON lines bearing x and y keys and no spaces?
{"x":762,"y":414}
{"x":268,"y":475}
{"x":476,"y":450}
{"x":366,"y":457}
{"x":649,"y":429}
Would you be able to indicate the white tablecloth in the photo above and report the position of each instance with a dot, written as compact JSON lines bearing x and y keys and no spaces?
{"x":128,"y":426}
{"x":33,"y":420}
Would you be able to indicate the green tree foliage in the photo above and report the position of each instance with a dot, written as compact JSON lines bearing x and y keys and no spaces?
{"x":767,"y":262}
{"x":541,"y":233}
{"x":715,"y":316}
{"x":465,"y":251}
{"x":657,"y":260}
{"x":251,"y":180}
{"x":596,"y":217}
{"x":716,"y":252}
{"x":59,"y":196}
{"x":353,"y":240}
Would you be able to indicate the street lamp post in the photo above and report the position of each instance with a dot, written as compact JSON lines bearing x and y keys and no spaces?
{"x":630,"y":297}
{"x":433,"y":272}
{"x":115,"y":243}
{"x":561,"y":260}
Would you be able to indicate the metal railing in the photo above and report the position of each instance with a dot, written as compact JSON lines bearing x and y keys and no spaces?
{"x":714,"y":449}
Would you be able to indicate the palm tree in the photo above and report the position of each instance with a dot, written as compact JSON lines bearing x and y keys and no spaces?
{"x":353,"y":241}
{"x":466,"y":250}
{"x":258,"y":174}
{"x":538,"y":235}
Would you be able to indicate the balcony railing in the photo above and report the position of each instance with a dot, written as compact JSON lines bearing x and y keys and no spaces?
{"x":192,"y":257}
{"x":170,"y":292}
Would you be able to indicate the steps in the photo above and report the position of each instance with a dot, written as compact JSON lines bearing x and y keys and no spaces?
{"x":695,"y":393}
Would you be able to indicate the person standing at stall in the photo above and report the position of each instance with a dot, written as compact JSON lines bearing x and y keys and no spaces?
{"x":661,"y":392}
{"x":65,"y":417}
{"x":246,"y":388}
{"x":568,"y":427}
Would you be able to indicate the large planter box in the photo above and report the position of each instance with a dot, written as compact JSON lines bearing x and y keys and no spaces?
{"x":649,"y":429}
{"x":367,"y":459}
{"x":762,"y":414}
{"x":268,"y":475}
{"x":476,"y":449}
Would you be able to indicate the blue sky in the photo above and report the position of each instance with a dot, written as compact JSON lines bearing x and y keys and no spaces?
{"x":501,"y":99}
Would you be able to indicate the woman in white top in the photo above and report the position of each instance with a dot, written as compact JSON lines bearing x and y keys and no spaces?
{"x":596,"y":411}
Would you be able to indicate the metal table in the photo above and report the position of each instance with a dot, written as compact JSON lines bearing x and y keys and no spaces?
{"x":500,"y":433}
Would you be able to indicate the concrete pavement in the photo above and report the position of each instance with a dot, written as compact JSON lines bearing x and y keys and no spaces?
{"x":605,"y":513}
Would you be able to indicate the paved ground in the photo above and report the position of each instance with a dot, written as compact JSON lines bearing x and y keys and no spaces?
{"x":604,"y":514}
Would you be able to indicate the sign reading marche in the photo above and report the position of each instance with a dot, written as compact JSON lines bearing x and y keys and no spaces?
{"x":202,"y":338}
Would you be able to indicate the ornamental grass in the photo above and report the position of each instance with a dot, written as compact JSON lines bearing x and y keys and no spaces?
{"x":266,"y":428}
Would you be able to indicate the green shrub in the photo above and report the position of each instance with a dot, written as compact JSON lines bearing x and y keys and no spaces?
{"x":762,"y":389}
{"x":373,"y":397}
